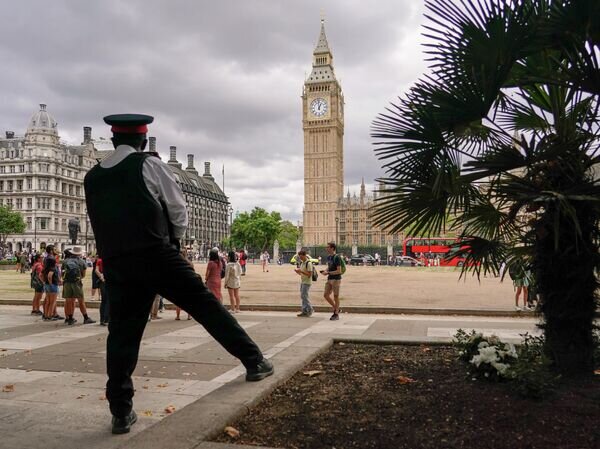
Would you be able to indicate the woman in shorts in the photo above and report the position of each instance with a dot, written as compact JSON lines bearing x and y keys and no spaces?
{"x":37,"y":284}
{"x":50,"y":277}
{"x":233,"y":276}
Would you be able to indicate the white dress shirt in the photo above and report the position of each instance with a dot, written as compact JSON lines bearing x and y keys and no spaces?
{"x":161,"y":184}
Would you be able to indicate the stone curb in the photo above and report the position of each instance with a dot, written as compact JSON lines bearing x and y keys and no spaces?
{"x":205,"y":418}
{"x":380,"y":310}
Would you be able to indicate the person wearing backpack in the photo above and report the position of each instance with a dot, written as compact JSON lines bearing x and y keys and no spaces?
{"x":37,"y":284}
{"x":306,"y":272}
{"x":334,"y":271}
{"x":73,"y":271}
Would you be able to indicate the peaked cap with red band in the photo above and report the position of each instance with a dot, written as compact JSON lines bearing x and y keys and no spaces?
{"x":129,"y":123}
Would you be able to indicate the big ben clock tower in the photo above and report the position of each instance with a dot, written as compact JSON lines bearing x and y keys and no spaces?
{"x":323,"y":124}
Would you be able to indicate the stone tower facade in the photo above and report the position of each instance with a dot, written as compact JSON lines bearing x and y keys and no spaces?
{"x":323,"y":124}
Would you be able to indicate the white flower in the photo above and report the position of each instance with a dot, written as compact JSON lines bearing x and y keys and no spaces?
{"x":483,"y":344}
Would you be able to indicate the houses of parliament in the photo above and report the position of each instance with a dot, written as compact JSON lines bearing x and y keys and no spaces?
{"x":329,"y":215}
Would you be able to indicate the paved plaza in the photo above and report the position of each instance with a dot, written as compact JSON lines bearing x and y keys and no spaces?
{"x":52,"y":376}
{"x":364,"y":288}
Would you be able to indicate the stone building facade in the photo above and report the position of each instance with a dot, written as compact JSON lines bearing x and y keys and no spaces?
{"x":328,"y":215}
{"x":209,"y":211}
{"x":42,"y":178}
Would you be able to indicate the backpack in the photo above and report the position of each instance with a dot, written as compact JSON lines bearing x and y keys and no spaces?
{"x":315,"y":275}
{"x":72,"y":272}
{"x":36,"y":282}
{"x":342,"y":263}
{"x":223,"y":266}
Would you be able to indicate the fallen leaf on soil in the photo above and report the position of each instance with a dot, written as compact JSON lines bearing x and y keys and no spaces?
{"x":162,"y":385}
{"x":170,"y":409}
{"x":232,"y":432}
{"x":147,"y":413}
{"x":388,"y":360}
{"x":145,"y":387}
{"x":405,"y":380}
{"x":3,"y":350}
{"x":81,"y":396}
{"x":426,"y":349}
{"x":311,"y":373}
{"x":341,"y":343}
{"x":8,"y":388}
{"x":82,"y":360}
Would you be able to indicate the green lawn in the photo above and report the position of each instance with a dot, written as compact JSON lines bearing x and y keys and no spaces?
{"x":15,"y":285}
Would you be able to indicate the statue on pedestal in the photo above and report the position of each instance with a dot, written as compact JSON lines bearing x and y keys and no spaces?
{"x":74,"y":229}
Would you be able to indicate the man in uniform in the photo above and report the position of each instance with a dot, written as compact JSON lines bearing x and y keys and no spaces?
{"x":138,"y":211}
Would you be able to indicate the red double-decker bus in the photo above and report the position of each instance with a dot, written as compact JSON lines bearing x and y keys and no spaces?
{"x":431,"y":251}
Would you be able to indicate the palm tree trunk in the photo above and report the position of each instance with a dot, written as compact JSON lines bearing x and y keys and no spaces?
{"x":567,"y":285}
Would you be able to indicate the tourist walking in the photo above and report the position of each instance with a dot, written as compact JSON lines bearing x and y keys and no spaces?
{"x":233,"y":273}
{"x":37,"y":284}
{"x":73,"y":272}
{"x":305,"y":271}
{"x":135,"y":207}
{"x":334,"y":279}
{"x":242,"y":258}
{"x":212,"y":277}
{"x":264,"y":260}
{"x":520,"y":275}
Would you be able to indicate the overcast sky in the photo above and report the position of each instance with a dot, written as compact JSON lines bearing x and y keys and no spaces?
{"x":222,"y":78}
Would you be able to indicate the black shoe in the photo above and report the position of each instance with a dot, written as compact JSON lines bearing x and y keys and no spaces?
{"x":70,"y":321}
{"x":304,"y":314}
{"x":88,"y":321}
{"x":123,"y":425}
{"x":36,"y":312}
{"x":262,"y":370}
{"x":58,"y":317}
{"x":103,"y":323}
{"x":334,"y":317}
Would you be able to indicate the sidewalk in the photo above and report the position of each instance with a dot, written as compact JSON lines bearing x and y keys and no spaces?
{"x":53,"y":375}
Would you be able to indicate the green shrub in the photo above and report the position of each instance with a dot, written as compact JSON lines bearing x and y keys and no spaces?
{"x":8,"y":262}
{"x":527,"y":368}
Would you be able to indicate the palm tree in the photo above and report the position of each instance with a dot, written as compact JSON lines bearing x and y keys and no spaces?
{"x":498,"y":144}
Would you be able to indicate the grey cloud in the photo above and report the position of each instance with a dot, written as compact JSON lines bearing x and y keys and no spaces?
{"x":223,"y":79}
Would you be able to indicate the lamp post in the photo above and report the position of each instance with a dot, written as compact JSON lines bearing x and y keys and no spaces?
{"x":230,"y":210}
{"x":337,"y":221}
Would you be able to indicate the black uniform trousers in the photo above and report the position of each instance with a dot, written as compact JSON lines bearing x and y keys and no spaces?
{"x":132,"y":283}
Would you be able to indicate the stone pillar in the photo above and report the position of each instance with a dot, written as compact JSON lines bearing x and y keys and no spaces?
{"x":276,"y":251}
{"x":298,"y":245}
{"x":354,"y":249}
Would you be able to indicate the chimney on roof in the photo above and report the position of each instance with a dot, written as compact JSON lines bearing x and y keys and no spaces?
{"x":152,"y":144}
{"x":42,"y":107}
{"x":172,"y":154}
{"x":87,"y":134}
{"x":10,"y":134}
{"x":190,"y":166}
{"x":207,"y":170}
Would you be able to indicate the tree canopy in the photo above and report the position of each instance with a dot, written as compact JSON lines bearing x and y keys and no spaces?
{"x":10,"y":223}
{"x":258,"y":229}
{"x":503,"y":135}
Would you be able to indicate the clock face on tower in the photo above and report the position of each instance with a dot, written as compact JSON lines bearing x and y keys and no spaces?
{"x":318,"y":107}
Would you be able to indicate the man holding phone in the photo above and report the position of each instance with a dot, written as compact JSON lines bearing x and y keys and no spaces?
{"x":334,"y":279}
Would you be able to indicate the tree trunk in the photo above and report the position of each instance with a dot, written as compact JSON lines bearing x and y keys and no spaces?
{"x":567,"y":284}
